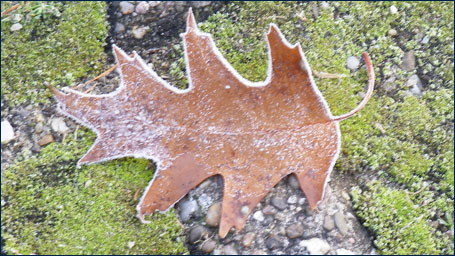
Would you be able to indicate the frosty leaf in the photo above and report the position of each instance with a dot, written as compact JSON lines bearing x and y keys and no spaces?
{"x":252,"y":134}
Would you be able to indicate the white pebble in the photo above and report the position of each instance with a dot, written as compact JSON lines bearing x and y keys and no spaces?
{"x":16,"y":27}
{"x":139,"y":33}
{"x":142,"y":7}
{"x":324,"y":5}
{"x":425,"y":40}
{"x":343,"y":251}
{"x":352,"y":62}
{"x":259,"y":216}
{"x":315,"y":246}
{"x":292,"y":199}
{"x":7,"y":132}
{"x":393,"y":9}
{"x":59,"y":125}
{"x":131,"y":244}
{"x":126,"y":7}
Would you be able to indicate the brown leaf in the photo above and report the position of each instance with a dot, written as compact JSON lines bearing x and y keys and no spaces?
{"x":252,"y":134}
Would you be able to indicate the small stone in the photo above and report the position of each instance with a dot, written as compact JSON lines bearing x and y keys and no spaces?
{"x":142,"y":7}
{"x":259,"y":216}
{"x":208,"y":246}
{"x":131,"y":244}
{"x":393,"y":9}
{"x":425,"y":40}
{"x":139,"y":32}
{"x":119,"y":27}
{"x":245,"y":210}
{"x":416,"y":84}
{"x":204,"y":201}
{"x":325,"y":5}
{"x":87,"y":183}
{"x":292,"y":199}
{"x":38,"y":128}
{"x":352,"y":62}
{"x":126,"y":7}
{"x":7,"y":132}
{"x":343,"y":251}
{"x":213,"y":215}
{"x":46,"y":139}
{"x":59,"y":125}
{"x":293,"y":182}
{"x":279,"y":203}
{"x":302,"y":201}
{"x":272,"y":242}
{"x":16,"y":17}
{"x":258,"y":252}
{"x":229,"y":250}
{"x":154,"y":3}
{"x":409,"y":61}
{"x":345,"y":195}
{"x":294,"y":230}
{"x":199,"y":4}
{"x":329,"y":224}
{"x":315,"y":246}
{"x":39,"y":118}
{"x":187,"y":208}
{"x":392,"y":32}
{"x":15,"y":27}
{"x":340,"y":222}
{"x":197,"y":233}
{"x":248,"y":239}
{"x":269,"y":210}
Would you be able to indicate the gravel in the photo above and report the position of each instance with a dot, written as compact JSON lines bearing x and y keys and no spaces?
{"x":213,"y":215}
{"x":315,"y":246}
{"x":187,"y":208}
{"x":279,"y":203}
{"x":409,"y":61}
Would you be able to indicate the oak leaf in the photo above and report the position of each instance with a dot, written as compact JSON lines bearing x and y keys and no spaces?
{"x":252,"y":134}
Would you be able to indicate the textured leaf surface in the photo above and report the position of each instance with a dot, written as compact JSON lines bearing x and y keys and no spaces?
{"x":252,"y":134}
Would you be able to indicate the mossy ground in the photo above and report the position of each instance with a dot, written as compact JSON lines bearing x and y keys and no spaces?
{"x":405,"y":142}
{"x":49,"y":206}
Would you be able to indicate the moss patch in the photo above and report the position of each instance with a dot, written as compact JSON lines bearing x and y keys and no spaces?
{"x":50,"y":207}
{"x":403,"y":140}
{"x":59,"y":43}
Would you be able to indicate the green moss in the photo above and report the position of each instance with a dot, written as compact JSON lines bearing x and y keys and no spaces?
{"x":401,"y":222}
{"x":60,"y":43}
{"x":50,"y":207}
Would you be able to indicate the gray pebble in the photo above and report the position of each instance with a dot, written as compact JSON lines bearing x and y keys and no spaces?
{"x":293,"y":182}
{"x":409,"y":61}
{"x":59,"y":125}
{"x":38,"y":128}
{"x":119,"y":27}
{"x":126,"y":7}
{"x":294,"y":230}
{"x":187,"y":208}
{"x":352,"y":62}
{"x":208,"y":246}
{"x":197,"y":233}
{"x":329,"y":224}
{"x":269,"y":210}
{"x":248,"y":239}
{"x":7,"y":132}
{"x":279,"y":203}
{"x":213,"y":215}
{"x":340,"y":222}
{"x":272,"y":242}
{"x":142,"y":7}
{"x":416,"y":84}
{"x":16,"y":27}
{"x":229,"y":250}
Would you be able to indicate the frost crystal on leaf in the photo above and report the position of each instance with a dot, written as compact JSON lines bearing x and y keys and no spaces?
{"x":252,"y":134}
